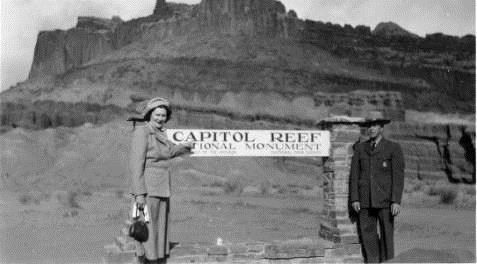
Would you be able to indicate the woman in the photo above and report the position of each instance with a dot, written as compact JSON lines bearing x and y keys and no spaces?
{"x":151,"y":179}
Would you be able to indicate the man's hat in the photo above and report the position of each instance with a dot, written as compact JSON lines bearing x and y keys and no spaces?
{"x":145,"y":107}
{"x":375,"y":118}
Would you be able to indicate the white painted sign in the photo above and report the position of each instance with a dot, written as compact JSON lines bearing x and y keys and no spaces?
{"x":254,"y":143}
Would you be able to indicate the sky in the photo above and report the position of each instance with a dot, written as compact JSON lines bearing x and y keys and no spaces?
{"x":21,"y":20}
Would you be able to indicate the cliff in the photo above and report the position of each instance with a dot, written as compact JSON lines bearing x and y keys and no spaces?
{"x":438,"y":67}
{"x":58,"y":51}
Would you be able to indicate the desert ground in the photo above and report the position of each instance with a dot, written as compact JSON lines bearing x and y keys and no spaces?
{"x":64,"y":195}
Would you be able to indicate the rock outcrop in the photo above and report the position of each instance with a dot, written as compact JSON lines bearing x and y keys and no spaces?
{"x":96,"y":23}
{"x":390,"y":29}
{"x":251,"y":17}
{"x":359,"y":103}
{"x":435,"y":152}
{"x":162,"y":10}
{"x":58,"y":51}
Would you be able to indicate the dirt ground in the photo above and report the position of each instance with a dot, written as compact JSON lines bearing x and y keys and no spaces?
{"x":54,"y":229}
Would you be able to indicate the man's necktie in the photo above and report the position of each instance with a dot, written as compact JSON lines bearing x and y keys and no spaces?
{"x":373,"y":145}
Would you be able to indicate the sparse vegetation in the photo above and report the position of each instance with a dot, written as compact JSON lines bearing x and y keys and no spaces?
{"x":447,"y":195}
{"x":265,"y":187}
{"x":417,"y":117}
{"x":32,"y":198}
{"x":68,"y":199}
{"x":302,"y":210}
{"x":233,"y":186}
{"x":413,"y":185}
{"x":432,"y":193}
{"x":25,"y":199}
{"x":119,"y":193}
{"x":71,"y":213}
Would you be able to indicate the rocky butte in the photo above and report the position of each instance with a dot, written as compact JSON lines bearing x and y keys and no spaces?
{"x":255,"y":64}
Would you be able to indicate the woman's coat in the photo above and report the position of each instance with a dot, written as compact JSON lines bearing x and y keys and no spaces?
{"x":149,"y":161}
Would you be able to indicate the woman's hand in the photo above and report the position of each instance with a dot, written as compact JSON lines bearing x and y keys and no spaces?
{"x":188,"y":146}
{"x":141,"y":201}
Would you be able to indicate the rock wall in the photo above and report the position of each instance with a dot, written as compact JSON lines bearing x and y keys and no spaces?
{"x":249,"y":17}
{"x":437,"y":151}
{"x":96,"y":23}
{"x":59,"y":51}
{"x":266,"y":18}
{"x":46,"y":114}
{"x":359,"y":103}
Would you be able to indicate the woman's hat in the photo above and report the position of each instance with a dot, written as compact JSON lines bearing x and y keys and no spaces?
{"x":145,"y":107}
{"x":375,"y":118}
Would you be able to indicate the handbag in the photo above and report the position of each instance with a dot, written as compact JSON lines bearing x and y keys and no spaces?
{"x":138,"y":229}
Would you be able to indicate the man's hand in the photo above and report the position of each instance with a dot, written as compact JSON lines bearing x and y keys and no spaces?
{"x":356,"y":206}
{"x":141,"y":201}
{"x":395,"y":209}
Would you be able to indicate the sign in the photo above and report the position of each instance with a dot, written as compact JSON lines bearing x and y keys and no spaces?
{"x":254,"y":143}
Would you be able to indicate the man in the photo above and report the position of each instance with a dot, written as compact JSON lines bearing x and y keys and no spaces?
{"x":376,"y":185}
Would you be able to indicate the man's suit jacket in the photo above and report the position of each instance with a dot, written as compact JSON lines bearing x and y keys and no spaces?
{"x":377,"y":176}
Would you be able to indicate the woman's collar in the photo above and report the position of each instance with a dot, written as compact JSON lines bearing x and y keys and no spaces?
{"x":153,"y":129}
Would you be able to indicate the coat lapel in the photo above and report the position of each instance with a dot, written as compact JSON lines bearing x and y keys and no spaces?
{"x":367,"y":148}
{"x":382,"y":145}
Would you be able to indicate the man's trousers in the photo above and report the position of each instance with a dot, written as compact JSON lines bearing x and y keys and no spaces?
{"x":378,"y":247}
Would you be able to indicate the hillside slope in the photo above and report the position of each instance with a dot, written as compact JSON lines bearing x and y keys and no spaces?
{"x":94,"y":158}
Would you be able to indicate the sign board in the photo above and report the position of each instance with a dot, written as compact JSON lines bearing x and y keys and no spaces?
{"x":254,"y":143}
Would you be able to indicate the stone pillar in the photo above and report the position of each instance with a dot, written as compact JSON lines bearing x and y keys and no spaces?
{"x":337,"y":225}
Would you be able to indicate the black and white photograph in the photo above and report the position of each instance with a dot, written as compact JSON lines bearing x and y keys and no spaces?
{"x":237,"y":131}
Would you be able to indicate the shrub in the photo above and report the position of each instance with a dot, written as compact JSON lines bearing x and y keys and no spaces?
{"x":119,"y":193}
{"x":233,"y":186}
{"x":217,"y":184}
{"x":447,"y":194}
{"x":302,"y":210}
{"x":436,"y":188}
{"x":417,"y":186}
{"x":25,"y":199}
{"x":68,"y":199}
{"x":71,"y":213}
{"x":470,"y":190}
{"x":265,"y":187}
{"x":35,"y":198}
